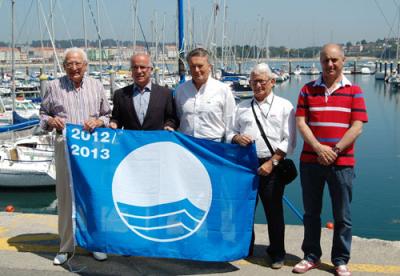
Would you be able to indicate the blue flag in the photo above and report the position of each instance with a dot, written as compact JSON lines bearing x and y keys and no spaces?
{"x":161,"y":194}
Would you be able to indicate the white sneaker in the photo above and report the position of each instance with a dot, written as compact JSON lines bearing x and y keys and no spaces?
{"x":60,"y":258}
{"x":99,"y":256}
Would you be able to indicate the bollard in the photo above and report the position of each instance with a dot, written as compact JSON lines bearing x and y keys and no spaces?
{"x":240,"y":67}
{"x":290,"y":67}
{"x":157,"y":75}
{"x":376,"y":66}
{"x":385,"y":72}
{"x":43,"y":84}
{"x":112,"y":80}
{"x":391,"y":67}
{"x":380,"y":66}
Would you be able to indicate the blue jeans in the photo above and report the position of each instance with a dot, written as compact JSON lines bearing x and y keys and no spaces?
{"x":339,"y":178}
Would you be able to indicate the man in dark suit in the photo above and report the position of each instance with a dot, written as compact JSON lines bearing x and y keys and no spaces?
{"x":143,"y":105}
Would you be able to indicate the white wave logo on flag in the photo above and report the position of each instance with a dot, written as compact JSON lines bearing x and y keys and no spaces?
{"x":162,"y":192}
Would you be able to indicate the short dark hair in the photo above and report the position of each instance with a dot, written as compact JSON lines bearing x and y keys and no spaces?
{"x":198,"y":52}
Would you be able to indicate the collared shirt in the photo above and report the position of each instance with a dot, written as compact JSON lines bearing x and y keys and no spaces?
{"x":330,"y":117}
{"x":141,"y":99}
{"x":207,"y":112}
{"x":76,"y":106}
{"x":342,"y":83}
{"x":276,"y":116}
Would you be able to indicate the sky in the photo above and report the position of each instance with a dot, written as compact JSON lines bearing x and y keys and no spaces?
{"x":291,"y":23}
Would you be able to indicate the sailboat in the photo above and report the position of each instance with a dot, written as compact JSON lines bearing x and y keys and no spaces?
{"x":28,"y":161}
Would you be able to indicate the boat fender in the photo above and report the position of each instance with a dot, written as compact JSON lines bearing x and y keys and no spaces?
{"x":13,"y":154}
{"x":329,"y":225}
{"x":9,"y":209}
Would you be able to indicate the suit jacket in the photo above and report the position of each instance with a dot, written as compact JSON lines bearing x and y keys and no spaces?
{"x":161,"y":110}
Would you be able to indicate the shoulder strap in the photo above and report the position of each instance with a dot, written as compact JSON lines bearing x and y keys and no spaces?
{"x":261,"y":129}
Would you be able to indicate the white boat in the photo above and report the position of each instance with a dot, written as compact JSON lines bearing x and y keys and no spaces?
{"x":25,"y":108}
{"x":365,"y":71}
{"x":297,"y":71}
{"x":313,"y":70}
{"x":346,"y":70}
{"x":381,"y":75}
{"x":393,"y":79}
{"x":28,"y":162}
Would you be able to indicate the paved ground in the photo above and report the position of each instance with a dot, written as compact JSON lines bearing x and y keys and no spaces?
{"x":28,"y":243}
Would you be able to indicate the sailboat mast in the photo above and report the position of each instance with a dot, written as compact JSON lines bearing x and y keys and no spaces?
{"x":13,"y":57}
{"x":53,"y":34}
{"x":156,"y":38}
{"x":223,"y":37}
{"x":100,"y":50}
{"x":84,"y":24}
{"x":134,"y":29}
{"x":181,"y":66}
{"x":398,"y":38}
{"x":133,"y":21}
{"x":41,"y":35}
{"x":267,"y":44}
{"x":163,"y":47}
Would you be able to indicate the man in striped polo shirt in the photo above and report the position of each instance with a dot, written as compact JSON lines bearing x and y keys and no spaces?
{"x":78,"y":99}
{"x":330,"y":116}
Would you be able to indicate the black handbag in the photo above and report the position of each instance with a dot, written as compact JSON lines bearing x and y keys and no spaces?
{"x":286,"y":169}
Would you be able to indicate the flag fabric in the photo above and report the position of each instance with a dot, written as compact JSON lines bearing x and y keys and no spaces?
{"x":161,"y":194}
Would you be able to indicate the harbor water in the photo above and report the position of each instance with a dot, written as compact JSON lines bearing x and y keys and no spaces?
{"x":376,"y":188}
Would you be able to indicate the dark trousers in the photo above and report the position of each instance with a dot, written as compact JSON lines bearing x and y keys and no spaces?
{"x":339,"y":180}
{"x":271,"y":192}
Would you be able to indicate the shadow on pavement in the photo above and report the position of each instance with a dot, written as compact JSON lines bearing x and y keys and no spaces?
{"x":46,"y":245}
{"x":261,"y":258}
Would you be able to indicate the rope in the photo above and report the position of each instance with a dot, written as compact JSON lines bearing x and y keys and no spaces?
{"x":65,"y":24}
{"x":94,"y":21}
{"x":293,"y":208}
{"x":71,"y":269}
{"x":26,"y":18}
{"x":27,"y":161}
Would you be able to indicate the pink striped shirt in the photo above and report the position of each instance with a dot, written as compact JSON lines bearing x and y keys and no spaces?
{"x":76,"y":106}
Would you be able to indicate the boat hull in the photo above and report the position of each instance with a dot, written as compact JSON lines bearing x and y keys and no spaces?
{"x":12,"y":178}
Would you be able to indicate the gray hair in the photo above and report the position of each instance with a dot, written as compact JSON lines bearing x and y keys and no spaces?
{"x":143,"y":54}
{"x":198,"y":52}
{"x":263,"y":68}
{"x":75,"y":50}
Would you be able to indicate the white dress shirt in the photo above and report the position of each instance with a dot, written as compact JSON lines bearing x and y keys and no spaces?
{"x":277,"y":117}
{"x":205,"y":113}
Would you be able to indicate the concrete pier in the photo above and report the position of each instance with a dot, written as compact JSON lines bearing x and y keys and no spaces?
{"x":28,"y":243}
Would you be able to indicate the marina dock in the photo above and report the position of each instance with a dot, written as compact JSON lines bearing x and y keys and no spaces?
{"x":28,"y":243}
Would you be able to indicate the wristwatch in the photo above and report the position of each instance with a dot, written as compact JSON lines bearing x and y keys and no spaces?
{"x":336,"y":149}
{"x":275,"y":162}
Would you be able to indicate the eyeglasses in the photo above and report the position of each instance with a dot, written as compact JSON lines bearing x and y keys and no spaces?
{"x":141,"y":67}
{"x":261,"y":82}
{"x":70,"y":65}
